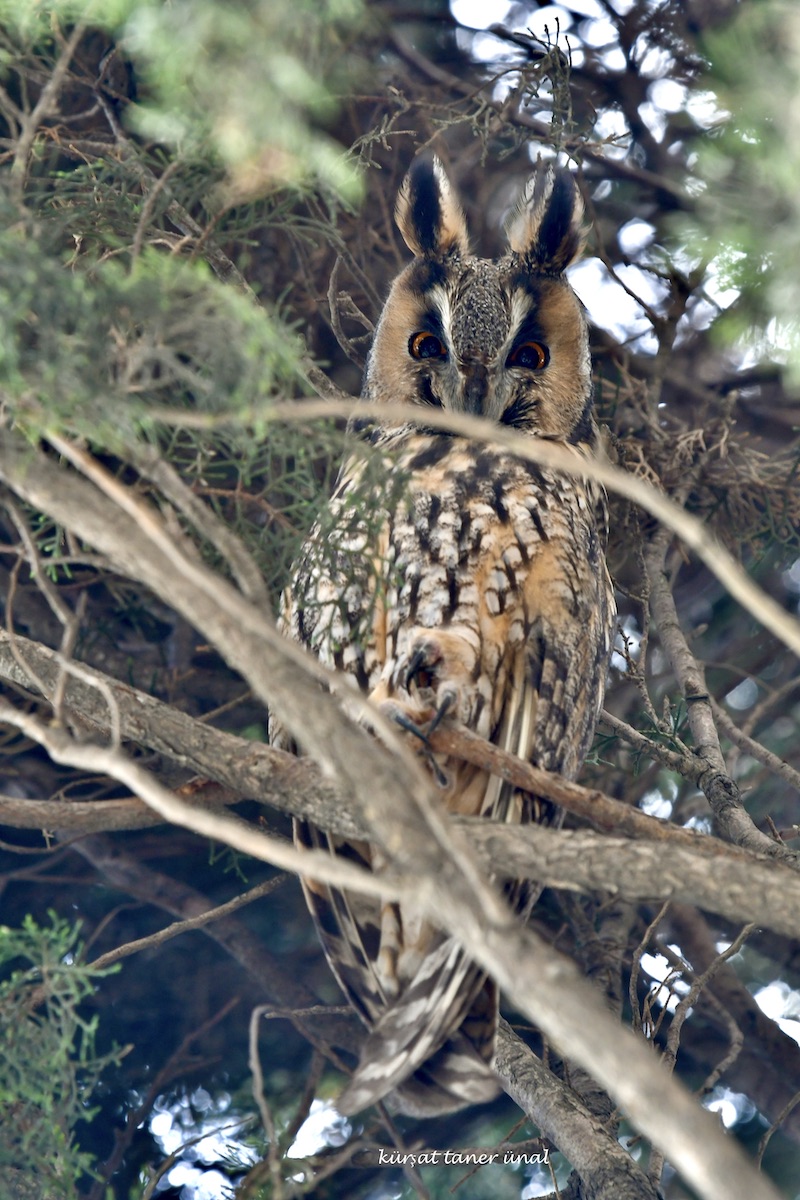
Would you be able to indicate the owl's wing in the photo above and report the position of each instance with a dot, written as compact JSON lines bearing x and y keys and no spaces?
{"x":332,"y":608}
{"x":568,"y":599}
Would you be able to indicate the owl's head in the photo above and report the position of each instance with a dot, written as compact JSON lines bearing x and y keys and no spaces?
{"x":504,"y":339}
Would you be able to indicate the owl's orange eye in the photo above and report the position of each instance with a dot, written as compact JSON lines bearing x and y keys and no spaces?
{"x":426,"y":345}
{"x":530,"y":355}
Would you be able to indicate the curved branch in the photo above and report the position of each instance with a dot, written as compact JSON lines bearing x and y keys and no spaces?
{"x":548,"y":454}
{"x":772,"y":762}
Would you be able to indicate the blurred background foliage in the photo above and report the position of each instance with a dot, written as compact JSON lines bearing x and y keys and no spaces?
{"x":195,"y":209}
{"x":50,"y":1067}
{"x":748,"y":171}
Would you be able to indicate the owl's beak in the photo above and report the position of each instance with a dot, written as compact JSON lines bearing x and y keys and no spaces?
{"x":476,"y":385}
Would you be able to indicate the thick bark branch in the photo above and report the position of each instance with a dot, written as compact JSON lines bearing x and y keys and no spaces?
{"x":691,"y":866}
{"x":607,"y":1171}
{"x":247,"y":768}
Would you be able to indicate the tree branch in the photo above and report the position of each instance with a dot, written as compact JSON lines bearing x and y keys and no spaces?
{"x":689,"y":528}
{"x":701,"y":869}
{"x":607,"y":1171}
{"x":760,"y":753}
{"x":30,"y":122}
{"x":720,"y":790}
{"x":286,"y":993}
{"x":185,"y":926}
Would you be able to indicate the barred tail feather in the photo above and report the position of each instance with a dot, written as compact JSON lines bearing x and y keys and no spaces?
{"x":410,"y":1060}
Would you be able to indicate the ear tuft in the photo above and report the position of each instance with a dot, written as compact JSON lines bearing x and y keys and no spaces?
{"x":546,"y":225}
{"x":428,"y":213}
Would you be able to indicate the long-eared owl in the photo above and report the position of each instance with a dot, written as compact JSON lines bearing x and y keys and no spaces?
{"x":459,"y":583}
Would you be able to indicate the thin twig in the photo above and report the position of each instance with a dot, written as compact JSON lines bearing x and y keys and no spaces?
{"x":259,"y":1095}
{"x":336,"y":324}
{"x":31,"y":677}
{"x":734,"y":1050}
{"x":30,"y":122}
{"x":720,"y":790}
{"x":179,"y":927}
{"x":775,"y":1126}
{"x":690,"y":999}
{"x":244,"y":570}
{"x":150,"y":197}
{"x":755,"y":749}
{"x":636,"y":1020}
{"x":303,"y":1108}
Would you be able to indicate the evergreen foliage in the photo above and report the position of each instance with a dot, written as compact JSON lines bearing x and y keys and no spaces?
{"x":49,"y":1066}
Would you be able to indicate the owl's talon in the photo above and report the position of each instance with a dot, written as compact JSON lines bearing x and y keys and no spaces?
{"x":441,"y":777}
{"x":420,"y":670}
{"x":408,"y":726}
{"x":447,"y":702}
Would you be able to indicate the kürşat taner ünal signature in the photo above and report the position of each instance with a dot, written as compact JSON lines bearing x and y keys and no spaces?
{"x":459,"y":1158}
